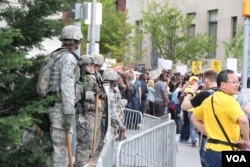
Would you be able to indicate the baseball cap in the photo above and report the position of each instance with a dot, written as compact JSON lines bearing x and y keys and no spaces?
{"x":193,"y":78}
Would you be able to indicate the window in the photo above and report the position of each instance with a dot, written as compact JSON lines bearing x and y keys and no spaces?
{"x":139,"y":35}
{"x":234,"y":26}
{"x":212,"y":30}
{"x":191,"y":29}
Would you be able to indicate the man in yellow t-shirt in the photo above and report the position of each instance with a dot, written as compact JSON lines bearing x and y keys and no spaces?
{"x":229,"y":114}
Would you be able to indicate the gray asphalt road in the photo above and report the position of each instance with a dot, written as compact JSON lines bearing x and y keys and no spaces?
{"x":187,"y":156}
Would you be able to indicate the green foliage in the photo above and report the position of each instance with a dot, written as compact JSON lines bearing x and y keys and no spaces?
{"x":115,"y":36}
{"x":234,"y":48}
{"x":168,"y":29}
{"x":20,"y":106}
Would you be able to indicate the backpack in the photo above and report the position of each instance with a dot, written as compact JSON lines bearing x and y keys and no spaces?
{"x":171,"y":104}
{"x":42,"y":86}
{"x":144,"y":90}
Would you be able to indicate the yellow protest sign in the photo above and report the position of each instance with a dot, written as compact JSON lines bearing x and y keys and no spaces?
{"x":216,"y":65}
{"x":196,"y":67}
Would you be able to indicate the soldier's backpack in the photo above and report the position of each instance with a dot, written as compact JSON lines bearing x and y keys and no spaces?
{"x":42,"y":86}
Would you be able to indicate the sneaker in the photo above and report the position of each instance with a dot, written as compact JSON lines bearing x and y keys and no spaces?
{"x":184,"y":141}
{"x":193,"y":144}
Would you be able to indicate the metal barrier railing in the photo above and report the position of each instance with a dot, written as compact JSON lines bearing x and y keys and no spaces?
{"x":154,"y":147}
{"x":150,"y":121}
{"x":133,"y":121}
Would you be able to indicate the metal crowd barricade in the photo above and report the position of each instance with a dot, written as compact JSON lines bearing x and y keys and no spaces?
{"x":150,"y":121}
{"x":133,"y":120}
{"x":154,"y":147}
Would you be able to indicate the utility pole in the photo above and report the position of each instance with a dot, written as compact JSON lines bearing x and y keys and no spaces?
{"x":78,"y":22}
{"x":92,"y":26}
{"x":245,"y":92}
{"x":246,"y":13}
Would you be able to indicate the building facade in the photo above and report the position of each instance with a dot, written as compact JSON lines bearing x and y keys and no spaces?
{"x":218,"y":18}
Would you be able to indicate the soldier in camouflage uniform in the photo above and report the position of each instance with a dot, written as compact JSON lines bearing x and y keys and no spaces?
{"x":85,"y":115}
{"x":116,"y":102}
{"x":64,"y":75}
{"x":99,"y":60}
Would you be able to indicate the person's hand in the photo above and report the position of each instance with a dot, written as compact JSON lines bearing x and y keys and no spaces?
{"x":67,"y":122}
{"x":244,"y":145}
{"x":194,"y":87}
{"x":165,"y":103}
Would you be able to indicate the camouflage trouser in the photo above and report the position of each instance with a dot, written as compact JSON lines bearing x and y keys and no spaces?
{"x":60,"y":152}
{"x":84,"y":135}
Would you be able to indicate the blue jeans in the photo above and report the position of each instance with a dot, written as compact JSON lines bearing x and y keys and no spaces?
{"x":214,"y":159}
{"x":202,"y":151}
{"x":136,"y":106}
{"x":185,"y":131}
{"x":143,"y":106}
{"x":136,"y":103}
{"x":192,"y":129}
{"x":177,"y":118}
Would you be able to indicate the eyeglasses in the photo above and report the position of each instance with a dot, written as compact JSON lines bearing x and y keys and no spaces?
{"x":234,"y":82}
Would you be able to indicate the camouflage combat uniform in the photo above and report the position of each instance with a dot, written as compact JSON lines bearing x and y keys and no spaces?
{"x":116,"y":102}
{"x":85,"y":115}
{"x":67,"y":71}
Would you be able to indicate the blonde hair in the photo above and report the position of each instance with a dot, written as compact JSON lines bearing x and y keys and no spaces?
{"x":151,"y":83}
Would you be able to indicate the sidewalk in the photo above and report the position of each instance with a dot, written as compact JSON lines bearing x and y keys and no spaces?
{"x":186,"y":155}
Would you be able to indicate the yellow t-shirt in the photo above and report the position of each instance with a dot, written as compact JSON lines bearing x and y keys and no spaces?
{"x":228,"y":111}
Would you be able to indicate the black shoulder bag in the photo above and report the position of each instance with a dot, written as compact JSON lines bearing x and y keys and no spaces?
{"x":229,"y":143}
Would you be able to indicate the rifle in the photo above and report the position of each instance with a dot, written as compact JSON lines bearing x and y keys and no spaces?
{"x":100,"y":84}
{"x":82,"y":81}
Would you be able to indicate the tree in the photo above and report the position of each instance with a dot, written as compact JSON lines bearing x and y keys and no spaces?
{"x":168,"y":29}
{"x":115,"y":35}
{"x":20,"y":106}
{"x":234,"y":48}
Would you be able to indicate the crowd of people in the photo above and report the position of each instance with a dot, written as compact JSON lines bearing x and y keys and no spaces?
{"x":78,"y":84}
{"x":205,"y":107}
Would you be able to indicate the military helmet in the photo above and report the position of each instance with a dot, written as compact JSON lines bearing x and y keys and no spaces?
{"x":110,"y":75}
{"x":99,"y":59}
{"x":70,"y":32}
{"x":87,"y":59}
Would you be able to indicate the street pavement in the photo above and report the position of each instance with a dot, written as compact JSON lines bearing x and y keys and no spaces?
{"x":186,"y":155}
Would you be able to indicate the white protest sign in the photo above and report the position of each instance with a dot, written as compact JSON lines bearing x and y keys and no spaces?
{"x":155,"y":73}
{"x":165,"y":64}
{"x":181,"y":69}
{"x":232,"y":64}
{"x":110,"y":62}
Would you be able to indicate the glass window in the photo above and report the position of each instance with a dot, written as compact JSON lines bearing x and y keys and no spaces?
{"x":191,"y":29}
{"x":212,"y":30}
{"x":139,"y":35}
{"x":234,"y":26}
